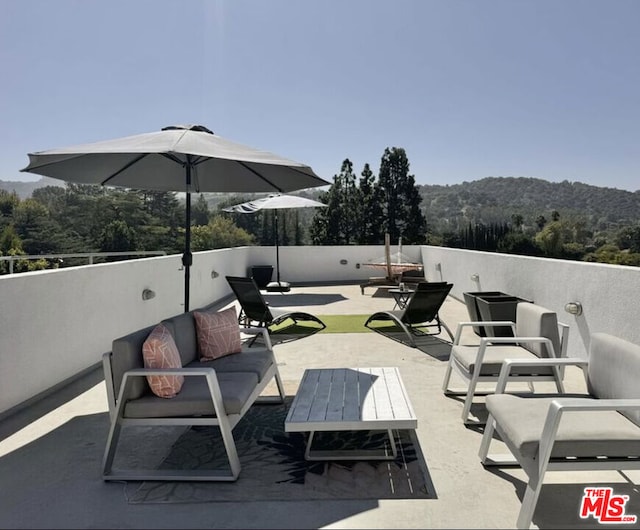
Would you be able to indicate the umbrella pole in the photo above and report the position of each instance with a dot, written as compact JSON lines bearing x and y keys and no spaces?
{"x":277,"y":249}
{"x":187,"y":257}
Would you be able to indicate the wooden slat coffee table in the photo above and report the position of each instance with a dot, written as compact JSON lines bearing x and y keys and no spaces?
{"x":351,"y":399}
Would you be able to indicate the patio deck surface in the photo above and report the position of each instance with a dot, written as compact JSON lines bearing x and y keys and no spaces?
{"x":50,"y":452}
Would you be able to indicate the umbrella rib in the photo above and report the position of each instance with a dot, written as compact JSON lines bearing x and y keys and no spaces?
{"x":124,"y":168}
{"x":260,"y":176}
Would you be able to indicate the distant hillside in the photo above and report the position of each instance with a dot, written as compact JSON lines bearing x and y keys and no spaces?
{"x":25,"y":189}
{"x":496,"y":199}
{"x":488,"y":200}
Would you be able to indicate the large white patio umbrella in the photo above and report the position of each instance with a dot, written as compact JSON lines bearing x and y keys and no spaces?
{"x":275,"y":202}
{"x":186,"y":158}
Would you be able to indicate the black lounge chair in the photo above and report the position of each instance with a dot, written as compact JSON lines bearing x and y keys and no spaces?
{"x":255,"y":311}
{"x":420,"y":313}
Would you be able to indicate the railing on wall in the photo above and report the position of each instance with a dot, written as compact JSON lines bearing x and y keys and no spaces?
{"x":88,"y":255}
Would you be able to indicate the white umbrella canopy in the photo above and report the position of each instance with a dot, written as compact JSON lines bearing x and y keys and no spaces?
{"x":275,"y":202}
{"x":186,"y":158}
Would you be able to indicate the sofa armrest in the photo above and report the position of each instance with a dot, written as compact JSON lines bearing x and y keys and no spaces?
{"x":204,"y":371}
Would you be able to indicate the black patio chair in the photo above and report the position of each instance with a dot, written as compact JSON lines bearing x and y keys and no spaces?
{"x":255,"y":311}
{"x":420,"y":315}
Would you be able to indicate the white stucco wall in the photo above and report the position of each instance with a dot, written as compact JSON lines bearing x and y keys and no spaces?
{"x":55,"y":324}
{"x":609,"y":294}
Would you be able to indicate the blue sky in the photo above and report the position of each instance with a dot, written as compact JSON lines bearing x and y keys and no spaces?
{"x":469,"y":88}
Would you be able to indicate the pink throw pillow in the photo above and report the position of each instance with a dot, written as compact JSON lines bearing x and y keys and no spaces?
{"x":160,"y":351}
{"x":218,"y":333}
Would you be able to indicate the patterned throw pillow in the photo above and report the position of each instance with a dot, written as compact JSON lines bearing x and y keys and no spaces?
{"x":160,"y":351}
{"x":218,"y":333}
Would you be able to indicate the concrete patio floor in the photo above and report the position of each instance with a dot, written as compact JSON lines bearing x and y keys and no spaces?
{"x":50,"y":452}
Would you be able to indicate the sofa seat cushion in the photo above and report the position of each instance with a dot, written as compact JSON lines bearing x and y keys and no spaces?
{"x":465,"y":357}
{"x":581,"y":434}
{"x":195,"y":399}
{"x":256,"y":361}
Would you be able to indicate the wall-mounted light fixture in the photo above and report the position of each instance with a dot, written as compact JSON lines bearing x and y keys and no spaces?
{"x":214,"y":274}
{"x":574,"y":308}
{"x":343,"y":262}
{"x":439,"y":266}
{"x":148,"y":294}
{"x":475,"y":277}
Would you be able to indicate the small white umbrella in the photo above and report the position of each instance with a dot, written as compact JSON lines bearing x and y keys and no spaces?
{"x":188,"y":158}
{"x":275,"y":202}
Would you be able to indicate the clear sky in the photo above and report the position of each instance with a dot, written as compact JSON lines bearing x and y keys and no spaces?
{"x":469,"y":88}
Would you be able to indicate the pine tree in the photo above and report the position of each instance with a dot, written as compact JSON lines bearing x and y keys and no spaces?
{"x":401,"y":199}
{"x":370,"y":212}
{"x":337,"y":224}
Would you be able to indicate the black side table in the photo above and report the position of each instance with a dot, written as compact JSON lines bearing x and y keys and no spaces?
{"x":402,"y":297}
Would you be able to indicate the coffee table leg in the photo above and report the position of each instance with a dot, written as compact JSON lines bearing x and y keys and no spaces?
{"x":354,"y":454}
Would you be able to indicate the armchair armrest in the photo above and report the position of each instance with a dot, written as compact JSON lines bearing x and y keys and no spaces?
{"x":487,"y":341}
{"x":491,"y":323}
{"x":562,"y":405}
{"x":510,"y":340}
{"x":508,"y":364}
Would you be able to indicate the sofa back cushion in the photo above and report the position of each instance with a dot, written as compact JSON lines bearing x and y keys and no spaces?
{"x":183,"y":329}
{"x":533,"y":320}
{"x":218,"y":333}
{"x":160,"y":351}
{"x":614,"y":370}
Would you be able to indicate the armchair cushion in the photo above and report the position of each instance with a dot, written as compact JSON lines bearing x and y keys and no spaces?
{"x":466,"y":357}
{"x":614,"y":370}
{"x":533,"y":320}
{"x":218,"y":333}
{"x":159,"y":350}
{"x":580,"y":434}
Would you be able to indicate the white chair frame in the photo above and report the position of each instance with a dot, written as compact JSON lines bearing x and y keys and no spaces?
{"x":476,"y":377}
{"x":536,"y":467}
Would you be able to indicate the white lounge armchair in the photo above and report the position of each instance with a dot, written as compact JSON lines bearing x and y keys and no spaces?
{"x":537,"y":334}
{"x":600,"y":430}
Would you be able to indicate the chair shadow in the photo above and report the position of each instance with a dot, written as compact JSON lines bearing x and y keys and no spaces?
{"x":432,"y":345}
{"x":301,"y":299}
{"x":478,"y":411}
{"x":559,"y":504}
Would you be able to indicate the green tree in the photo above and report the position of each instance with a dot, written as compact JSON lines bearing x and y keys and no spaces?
{"x":117,"y":236}
{"x":337,"y":224}
{"x":401,"y":199}
{"x":8,"y":203}
{"x":200,"y":211}
{"x":35,"y":228}
{"x":370,"y":213}
{"x":629,"y":238}
{"x":221,"y":232}
{"x":551,"y":239}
